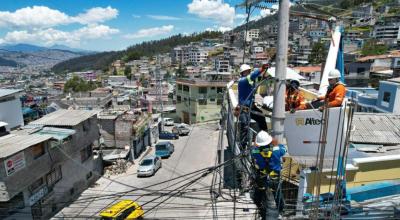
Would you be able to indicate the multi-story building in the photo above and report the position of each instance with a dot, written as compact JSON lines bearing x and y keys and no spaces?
{"x":197,"y":55}
{"x":387,"y":33}
{"x":252,"y":34}
{"x":11,"y":109}
{"x":199,"y":100}
{"x":221,"y":64}
{"x":48,"y":164}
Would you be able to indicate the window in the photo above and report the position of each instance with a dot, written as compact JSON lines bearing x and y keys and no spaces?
{"x":179,"y":87}
{"x":220,"y":90}
{"x":219,"y":101}
{"x":54,"y":176}
{"x":186,"y":88}
{"x":178,"y":99}
{"x":386,"y":97}
{"x":360,"y":71}
{"x":212,"y":88}
{"x":212,"y":100}
{"x":86,"y":153}
{"x":202,"y":101}
{"x":203,"y":90}
{"x":36,"y":185}
{"x":37,"y":150}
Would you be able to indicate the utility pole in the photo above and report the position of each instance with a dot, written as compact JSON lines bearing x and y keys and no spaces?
{"x":278,"y":113}
{"x":159,"y":90}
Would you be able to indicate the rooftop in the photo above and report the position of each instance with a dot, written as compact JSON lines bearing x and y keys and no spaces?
{"x":373,"y":128}
{"x":6,"y":92}
{"x":396,"y":80}
{"x":308,"y":69}
{"x":65,"y":118}
{"x":13,"y":143}
{"x":395,"y":53}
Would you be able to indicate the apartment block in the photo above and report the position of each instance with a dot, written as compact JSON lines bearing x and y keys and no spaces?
{"x":200,"y":99}
{"x":11,"y":110}
{"x":48,"y":164}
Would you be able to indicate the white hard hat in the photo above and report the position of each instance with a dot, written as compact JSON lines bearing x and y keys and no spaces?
{"x":263,"y":138}
{"x":244,"y":67}
{"x":333,"y":74}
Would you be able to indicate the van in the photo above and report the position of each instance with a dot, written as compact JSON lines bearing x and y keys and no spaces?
{"x":168,"y":121}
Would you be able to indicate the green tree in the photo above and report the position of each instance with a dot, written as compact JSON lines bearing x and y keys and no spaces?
{"x":128,"y":72}
{"x":77,"y":84}
{"x":180,"y":73}
{"x":372,"y":47}
{"x":318,"y":53}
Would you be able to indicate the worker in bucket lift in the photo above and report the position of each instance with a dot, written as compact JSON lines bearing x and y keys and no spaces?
{"x":267,"y":156}
{"x":335,"y":93}
{"x":246,"y":85}
{"x":294,"y":99}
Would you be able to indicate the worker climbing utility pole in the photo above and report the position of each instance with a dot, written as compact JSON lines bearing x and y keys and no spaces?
{"x":278,"y":113}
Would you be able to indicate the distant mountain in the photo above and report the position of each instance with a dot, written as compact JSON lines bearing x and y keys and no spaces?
{"x":63,"y":47}
{"x":5,"y":62}
{"x":23,"y":48}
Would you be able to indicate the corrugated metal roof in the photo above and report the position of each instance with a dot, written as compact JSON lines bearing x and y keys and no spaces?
{"x":376,"y":128}
{"x":57,"y":133}
{"x":13,"y":143}
{"x":64,"y":117}
{"x":6,"y":92}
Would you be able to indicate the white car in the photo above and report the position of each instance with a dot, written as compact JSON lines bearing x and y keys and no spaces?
{"x":168,"y":121}
{"x":149,"y":166}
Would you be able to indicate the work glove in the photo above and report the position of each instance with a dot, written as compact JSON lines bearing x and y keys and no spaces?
{"x":292,"y":110}
{"x":321,"y":109}
{"x":264,"y":67}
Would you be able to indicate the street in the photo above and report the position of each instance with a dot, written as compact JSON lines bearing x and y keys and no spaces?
{"x":194,"y":152}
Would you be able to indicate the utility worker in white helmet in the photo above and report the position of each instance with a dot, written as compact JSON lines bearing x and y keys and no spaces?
{"x":335,"y":93}
{"x":267,"y":156}
{"x":246,"y":86}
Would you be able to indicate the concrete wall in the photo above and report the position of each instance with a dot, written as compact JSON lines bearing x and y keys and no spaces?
{"x":11,"y":112}
{"x":387,"y":87}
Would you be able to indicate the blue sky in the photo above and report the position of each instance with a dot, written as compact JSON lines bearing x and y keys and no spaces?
{"x":112,"y":24}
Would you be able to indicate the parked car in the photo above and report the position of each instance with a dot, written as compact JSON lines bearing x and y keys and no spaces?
{"x":181,"y":129}
{"x":164,"y":149}
{"x":168,"y":121}
{"x":149,"y":166}
{"x":125,"y":209}
{"x":168,"y":135}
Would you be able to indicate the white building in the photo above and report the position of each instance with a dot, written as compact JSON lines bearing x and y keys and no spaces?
{"x":10,"y":108}
{"x":252,"y":34}
{"x":387,"y":32}
{"x":197,"y":55}
{"x":222,"y":65}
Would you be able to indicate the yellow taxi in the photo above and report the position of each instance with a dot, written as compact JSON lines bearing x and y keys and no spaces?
{"x":125,"y":209}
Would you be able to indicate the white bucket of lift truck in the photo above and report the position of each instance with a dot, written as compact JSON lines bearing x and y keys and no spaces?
{"x":303,"y":131}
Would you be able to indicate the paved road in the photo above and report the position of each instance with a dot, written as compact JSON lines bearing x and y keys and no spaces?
{"x":192,"y":153}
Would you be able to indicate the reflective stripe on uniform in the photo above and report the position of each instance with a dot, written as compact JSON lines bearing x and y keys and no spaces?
{"x":248,"y":77}
{"x":275,"y":148}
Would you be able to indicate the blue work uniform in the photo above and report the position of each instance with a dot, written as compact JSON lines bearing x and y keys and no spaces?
{"x":275,"y":161}
{"x":245,"y":86}
{"x":260,"y":161}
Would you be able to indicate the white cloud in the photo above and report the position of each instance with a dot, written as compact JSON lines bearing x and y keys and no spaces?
{"x":219,"y":28}
{"x":51,"y":36}
{"x":36,"y":16}
{"x":44,"y":17}
{"x":215,"y":10}
{"x":240,"y":16}
{"x":163,"y":17}
{"x":267,"y":12}
{"x":151,"y":32}
{"x":96,"y":15}
{"x":136,"y":16}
